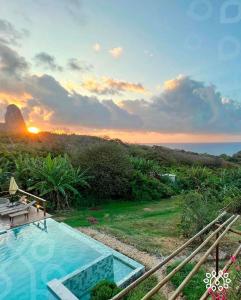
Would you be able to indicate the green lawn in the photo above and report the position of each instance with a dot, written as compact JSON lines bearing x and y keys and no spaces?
{"x":150,"y":226}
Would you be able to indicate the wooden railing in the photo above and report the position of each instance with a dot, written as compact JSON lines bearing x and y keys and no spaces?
{"x":41,"y":203}
{"x":218,"y":234}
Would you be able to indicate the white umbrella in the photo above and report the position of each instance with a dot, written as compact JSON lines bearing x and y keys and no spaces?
{"x":13,"y":187}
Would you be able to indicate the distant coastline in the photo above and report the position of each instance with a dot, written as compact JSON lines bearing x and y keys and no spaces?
{"x":209,"y":148}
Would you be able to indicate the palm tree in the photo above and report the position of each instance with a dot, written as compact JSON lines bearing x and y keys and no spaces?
{"x":55,"y":178}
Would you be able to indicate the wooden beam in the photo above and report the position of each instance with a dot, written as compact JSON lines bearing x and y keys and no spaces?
{"x":232,"y":230}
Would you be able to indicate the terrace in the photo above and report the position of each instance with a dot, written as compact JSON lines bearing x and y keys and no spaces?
{"x":27,"y":209}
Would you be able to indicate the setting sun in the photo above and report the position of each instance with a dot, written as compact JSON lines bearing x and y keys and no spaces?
{"x":34,"y":130}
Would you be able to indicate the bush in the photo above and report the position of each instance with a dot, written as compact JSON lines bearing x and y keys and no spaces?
{"x":197,"y":211}
{"x":104,"y":290}
{"x":144,"y":187}
{"x":110,"y":169}
{"x":196,"y":287}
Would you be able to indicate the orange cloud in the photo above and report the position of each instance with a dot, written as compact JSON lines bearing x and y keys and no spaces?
{"x":19,"y":100}
{"x":116,"y":52}
{"x":112,"y":86}
{"x":173,"y":83}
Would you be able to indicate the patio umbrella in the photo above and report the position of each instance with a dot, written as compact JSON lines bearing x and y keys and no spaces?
{"x":13,"y":187}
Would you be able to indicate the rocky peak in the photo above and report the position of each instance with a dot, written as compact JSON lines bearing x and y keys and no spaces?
{"x":14,"y":120}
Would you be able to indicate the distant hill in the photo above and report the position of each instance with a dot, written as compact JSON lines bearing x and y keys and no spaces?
{"x":73,"y":144}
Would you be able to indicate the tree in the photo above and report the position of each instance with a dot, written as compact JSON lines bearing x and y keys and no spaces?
{"x":55,"y":178}
{"x":110,"y":170}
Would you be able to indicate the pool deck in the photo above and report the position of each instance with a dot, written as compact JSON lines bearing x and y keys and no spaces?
{"x":34,"y":215}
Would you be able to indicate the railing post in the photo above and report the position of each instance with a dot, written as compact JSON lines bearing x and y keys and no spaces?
{"x":217,"y":255}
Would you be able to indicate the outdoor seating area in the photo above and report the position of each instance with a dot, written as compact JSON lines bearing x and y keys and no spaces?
{"x":18,"y":207}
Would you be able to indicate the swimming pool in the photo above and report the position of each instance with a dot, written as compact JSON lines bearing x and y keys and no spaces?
{"x":35,"y":254}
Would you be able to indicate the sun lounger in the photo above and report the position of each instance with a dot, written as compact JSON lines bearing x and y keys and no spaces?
{"x":20,"y":213}
{"x":4,"y":202}
{"x":11,"y":207}
{"x":19,"y":208}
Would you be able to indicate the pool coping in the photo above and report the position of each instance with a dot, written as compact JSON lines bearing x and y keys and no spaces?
{"x":102,"y":248}
{"x":57,"y":285}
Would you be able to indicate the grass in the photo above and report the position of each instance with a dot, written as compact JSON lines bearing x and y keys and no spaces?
{"x":142,"y":289}
{"x":150,"y":226}
{"x":196,"y":287}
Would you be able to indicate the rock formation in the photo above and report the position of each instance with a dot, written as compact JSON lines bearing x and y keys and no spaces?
{"x":14,"y":121}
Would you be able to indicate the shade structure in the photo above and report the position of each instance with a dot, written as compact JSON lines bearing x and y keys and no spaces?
{"x":13,"y":187}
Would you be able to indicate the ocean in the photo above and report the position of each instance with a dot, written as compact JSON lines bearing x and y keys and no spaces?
{"x":210,"y":148}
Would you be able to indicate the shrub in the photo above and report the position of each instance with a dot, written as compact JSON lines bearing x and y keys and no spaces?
{"x":104,"y":290}
{"x":196,"y":287}
{"x":197,"y":211}
{"x":145,"y":166}
{"x":144,"y":187}
{"x":110,"y":169}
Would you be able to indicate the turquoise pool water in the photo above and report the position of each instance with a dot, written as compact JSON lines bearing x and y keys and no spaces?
{"x":31,"y":256}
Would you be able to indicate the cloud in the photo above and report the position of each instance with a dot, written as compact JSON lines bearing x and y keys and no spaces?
{"x":184,"y":106}
{"x":187,"y":106}
{"x":97,"y":47}
{"x":109,"y":86}
{"x":11,"y":63}
{"x":47,"y":61}
{"x":77,"y":65}
{"x":9,"y":35}
{"x":74,"y":108}
{"x":116,"y":52}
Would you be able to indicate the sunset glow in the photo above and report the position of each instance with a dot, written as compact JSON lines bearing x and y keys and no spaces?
{"x":33,"y":130}
{"x":111,"y":84}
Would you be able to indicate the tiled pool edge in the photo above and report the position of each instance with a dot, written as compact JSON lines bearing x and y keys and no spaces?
{"x":62,"y":292}
{"x":71,"y":284}
{"x":102,"y":248}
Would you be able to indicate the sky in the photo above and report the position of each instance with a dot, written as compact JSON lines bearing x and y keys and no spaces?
{"x":143,"y":71}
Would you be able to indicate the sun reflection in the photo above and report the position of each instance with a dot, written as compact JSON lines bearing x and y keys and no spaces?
{"x":34,"y":130}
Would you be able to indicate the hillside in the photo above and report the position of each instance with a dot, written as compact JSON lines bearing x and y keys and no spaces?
{"x":73,"y":144}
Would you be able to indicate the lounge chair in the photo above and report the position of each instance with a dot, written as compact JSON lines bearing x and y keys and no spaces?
{"x":4,"y":202}
{"x":17,"y":204}
{"x":17,"y":209}
{"x":11,"y":206}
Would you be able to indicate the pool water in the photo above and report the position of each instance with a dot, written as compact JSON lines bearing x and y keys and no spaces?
{"x":31,"y":256}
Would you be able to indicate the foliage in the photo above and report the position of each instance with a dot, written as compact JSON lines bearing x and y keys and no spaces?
{"x":234,"y":290}
{"x":4,"y":173}
{"x":54,"y":178}
{"x":198,"y":209}
{"x":110,"y":170}
{"x":104,"y":290}
{"x":144,"y":187}
{"x":143,"y":288}
{"x":145,"y":166}
{"x":118,"y":170}
{"x":196,"y":287}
